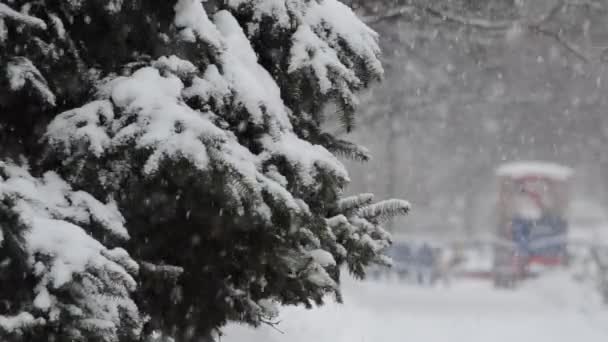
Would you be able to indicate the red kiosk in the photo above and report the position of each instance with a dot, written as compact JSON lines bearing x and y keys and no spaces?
{"x":532,"y":227}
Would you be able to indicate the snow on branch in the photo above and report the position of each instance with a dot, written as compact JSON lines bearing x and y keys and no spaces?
{"x":385,"y":210}
{"x":19,"y":322}
{"x":354,"y":202}
{"x":157,"y":118}
{"x":76,"y":275}
{"x":165,"y":271}
{"x":193,"y":22}
{"x":9,"y":13}
{"x":330,"y":48}
{"x":345,"y":148}
{"x":21,"y":72}
{"x":359,"y":237}
{"x":310,"y":51}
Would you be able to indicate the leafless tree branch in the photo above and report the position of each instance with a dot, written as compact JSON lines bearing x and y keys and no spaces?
{"x":559,"y":38}
{"x":390,"y":14}
{"x":546,"y":17}
{"x":474,"y":22}
{"x":273,"y":325}
{"x":534,"y":26}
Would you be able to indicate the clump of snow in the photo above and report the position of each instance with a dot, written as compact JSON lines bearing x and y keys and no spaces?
{"x":254,"y":88}
{"x":52,"y":197}
{"x":191,"y":18}
{"x":322,"y":257}
{"x":307,"y":158}
{"x":309,"y":50}
{"x":176,"y":65}
{"x":83,"y":125}
{"x":20,"y":321}
{"x":163,"y":123}
{"x":71,"y":248}
{"x":211,"y":86}
{"x":534,"y":169}
{"x":317,"y":275}
{"x":342,"y":25}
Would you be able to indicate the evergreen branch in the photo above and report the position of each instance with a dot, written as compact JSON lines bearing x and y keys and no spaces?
{"x":347,"y":117}
{"x":164,"y":271}
{"x":336,"y":221}
{"x":22,"y":72}
{"x":345,"y":148}
{"x":355,"y":202}
{"x":7,"y":12}
{"x":385,"y":210}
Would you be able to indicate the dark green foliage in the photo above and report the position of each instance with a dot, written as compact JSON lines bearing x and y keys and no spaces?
{"x":231,"y":195}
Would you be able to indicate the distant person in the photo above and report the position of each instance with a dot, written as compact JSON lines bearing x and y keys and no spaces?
{"x":424,"y":265}
{"x":445,"y":262}
{"x":402,"y":258}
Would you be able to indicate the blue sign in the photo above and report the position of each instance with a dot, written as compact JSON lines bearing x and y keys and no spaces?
{"x":545,"y":237}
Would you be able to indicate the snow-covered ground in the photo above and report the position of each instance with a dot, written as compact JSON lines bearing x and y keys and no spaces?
{"x":552,"y":308}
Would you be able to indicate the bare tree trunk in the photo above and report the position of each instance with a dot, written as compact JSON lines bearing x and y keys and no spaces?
{"x":392,"y":163}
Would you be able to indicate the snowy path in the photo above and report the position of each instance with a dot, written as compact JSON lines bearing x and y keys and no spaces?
{"x":550,"y":309}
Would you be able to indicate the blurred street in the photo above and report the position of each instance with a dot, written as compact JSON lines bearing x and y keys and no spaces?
{"x":553,"y":308}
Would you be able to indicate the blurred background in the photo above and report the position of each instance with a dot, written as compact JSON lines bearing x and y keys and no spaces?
{"x":460,"y":99}
{"x":472,"y":85}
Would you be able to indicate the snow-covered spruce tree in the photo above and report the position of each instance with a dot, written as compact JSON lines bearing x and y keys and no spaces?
{"x":200,"y":128}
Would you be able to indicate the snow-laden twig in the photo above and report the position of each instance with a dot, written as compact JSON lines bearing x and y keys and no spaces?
{"x":385,"y":210}
{"x":354,"y":202}
{"x":9,"y":13}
